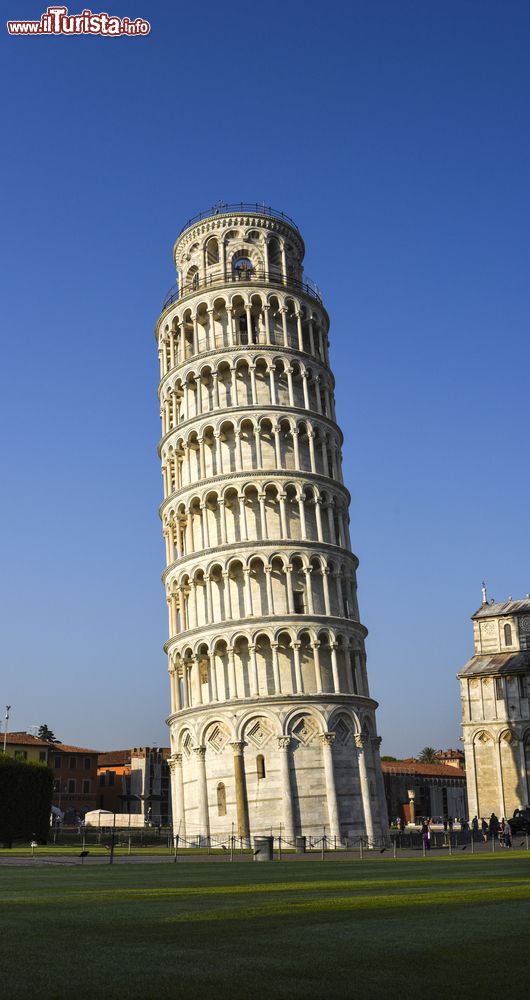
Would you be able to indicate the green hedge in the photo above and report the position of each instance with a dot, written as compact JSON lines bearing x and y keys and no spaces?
{"x":26,"y":790}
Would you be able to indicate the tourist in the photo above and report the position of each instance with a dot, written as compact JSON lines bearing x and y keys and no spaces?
{"x":426,"y":835}
{"x":484,"y":827}
{"x":507,"y":834}
{"x":494,"y":826}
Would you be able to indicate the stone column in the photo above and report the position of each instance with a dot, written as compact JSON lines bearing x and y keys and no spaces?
{"x":277,"y":446}
{"x":360,"y":743}
{"x":296,"y":449}
{"x":268,"y":581}
{"x":284,"y":743}
{"x":272,"y":388}
{"x":381,"y":797}
{"x":283,"y":311}
{"x":311,"y":440}
{"x":228,"y":596}
{"x":266,"y":324}
{"x":276,"y":669}
{"x":202,"y":792}
{"x":305,"y":390}
{"x":177,"y":795}
{"x":290,"y":597}
{"x":212,"y":673}
{"x":262,"y":515}
{"x":289,"y":372}
{"x":325,"y":583}
{"x":301,"y":508}
{"x":242,"y":518}
{"x":222,"y":518}
{"x":335,"y":668}
{"x":297,"y":668}
{"x":326,"y":742}
{"x":243,"y":827}
{"x":248,"y":593}
{"x":283,"y":517}
{"x":315,"y":646}
{"x":232,"y":672}
{"x":254,"y":683}
{"x":253,"y":392}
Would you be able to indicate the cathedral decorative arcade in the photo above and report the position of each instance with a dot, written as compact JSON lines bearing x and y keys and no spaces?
{"x":272,"y":725}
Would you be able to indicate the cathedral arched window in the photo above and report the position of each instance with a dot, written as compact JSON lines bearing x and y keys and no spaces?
{"x":221,"y":799}
{"x":260,"y":765}
{"x":507,"y":635}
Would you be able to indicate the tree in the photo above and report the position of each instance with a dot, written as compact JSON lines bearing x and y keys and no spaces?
{"x":46,"y":734}
{"x":26,"y":796}
{"x":428,"y":755}
{"x":389,"y":758}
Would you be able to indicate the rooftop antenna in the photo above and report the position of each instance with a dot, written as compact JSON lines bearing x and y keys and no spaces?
{"x":484,"y":593}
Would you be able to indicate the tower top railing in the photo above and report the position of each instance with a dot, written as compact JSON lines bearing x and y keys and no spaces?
{"x":240,"y":208}
{"x":241,"y":278}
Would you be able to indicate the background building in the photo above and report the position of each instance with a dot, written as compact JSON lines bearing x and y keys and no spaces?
{"x":74,"y":768}
{"x":24,"y":746}
{"x":272,"y":723}
{"x":438,"y":790}
{"x":494,"y":691}
{"x":75,"y":775}
{"x":136,"y":781}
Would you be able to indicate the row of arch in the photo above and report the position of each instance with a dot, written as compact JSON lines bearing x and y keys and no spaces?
{"x":263,"y":663}
{"x":227,"y":254}
{"x":234,"y":589}
{"x":245,"y":382}
{"x":325,"y":772}
{"x":239,"y":320}
{"x":250,"y":444}
{"x":255,"y":512}
{"x":263,"y":727}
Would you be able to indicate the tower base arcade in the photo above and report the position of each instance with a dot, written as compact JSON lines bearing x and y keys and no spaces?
{"x":283,"y":766}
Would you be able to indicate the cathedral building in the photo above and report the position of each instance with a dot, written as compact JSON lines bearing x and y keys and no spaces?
{"x":495,"y":691}
{"x":272,"y":723}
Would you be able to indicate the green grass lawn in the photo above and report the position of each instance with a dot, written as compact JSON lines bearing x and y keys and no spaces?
{"x":450,"y":928}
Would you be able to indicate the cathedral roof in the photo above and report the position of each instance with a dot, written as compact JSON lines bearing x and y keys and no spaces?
{"x":497,"y":663}
{"x":502,"y":608}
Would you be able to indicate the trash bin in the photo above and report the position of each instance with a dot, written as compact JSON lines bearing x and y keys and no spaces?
{"x":263,"y":847}
{"x":300,"y":843}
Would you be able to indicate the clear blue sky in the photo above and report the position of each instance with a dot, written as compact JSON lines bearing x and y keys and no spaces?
{"x":396,"y":134}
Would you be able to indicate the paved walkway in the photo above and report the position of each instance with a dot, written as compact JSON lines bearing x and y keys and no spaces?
{"x":62,"y":860}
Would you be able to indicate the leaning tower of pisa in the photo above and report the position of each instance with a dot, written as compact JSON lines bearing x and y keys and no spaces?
{"x":272,"y":724}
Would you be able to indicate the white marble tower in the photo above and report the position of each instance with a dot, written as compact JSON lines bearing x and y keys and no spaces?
{"x":272,"y":725}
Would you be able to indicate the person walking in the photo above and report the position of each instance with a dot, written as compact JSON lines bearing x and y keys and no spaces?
{"x":425,"y":835}
{"x":474,"y":827}
{"x":507,"y":834}
{"x":494,"y":826}
{"x":484,"y":828}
